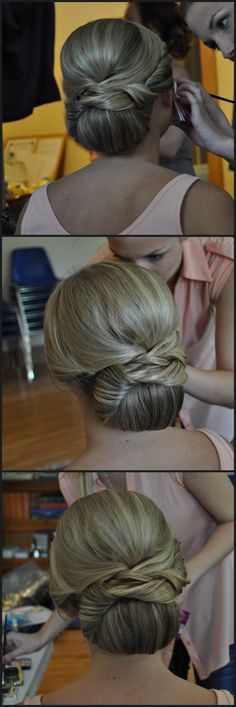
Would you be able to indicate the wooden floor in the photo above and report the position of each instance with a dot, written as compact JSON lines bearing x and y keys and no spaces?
{"x":42,"y":425}
{"x":71,"y":660}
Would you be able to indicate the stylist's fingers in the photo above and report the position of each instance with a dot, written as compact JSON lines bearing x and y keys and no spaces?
{"x":193,"y":90}
{"x":191,"y":99}
{"x":188,"y":83}
{"x":206,"y":107}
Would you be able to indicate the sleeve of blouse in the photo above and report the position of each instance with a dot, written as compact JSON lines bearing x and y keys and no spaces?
{"x":220,"y":258}
{"x":69,"y":485}
{"x":98,"y":485}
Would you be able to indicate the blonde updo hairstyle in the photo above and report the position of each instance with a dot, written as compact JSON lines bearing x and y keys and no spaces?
{"x":112,"y":330}
{"x":113,"y":70}
{"x":115,"y":563}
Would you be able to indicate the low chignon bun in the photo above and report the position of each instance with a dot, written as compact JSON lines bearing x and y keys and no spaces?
{"x":122,"y":573}
{"x":118,"y":389}
{"x":112,"y":72}
{"x":113,"y":328}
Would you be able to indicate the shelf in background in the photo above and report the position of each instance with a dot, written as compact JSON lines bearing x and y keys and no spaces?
{"x":31,"y":524}
{"x":32,"y":486}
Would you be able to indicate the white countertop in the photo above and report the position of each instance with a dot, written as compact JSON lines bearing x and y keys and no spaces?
{"x":32,"y":677}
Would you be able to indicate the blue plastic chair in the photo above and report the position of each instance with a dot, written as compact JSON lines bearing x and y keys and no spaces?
{"x":10,"y":328}
{"x":11,"y":337}
{"x":31,"y":266}
{"x":32,"y":280}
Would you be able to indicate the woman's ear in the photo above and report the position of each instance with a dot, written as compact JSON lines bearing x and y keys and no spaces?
{"x":167,"y":99}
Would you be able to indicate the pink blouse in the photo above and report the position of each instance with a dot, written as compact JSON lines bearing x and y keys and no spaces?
{"x":210,"y":600}
{"x":207,"y":265}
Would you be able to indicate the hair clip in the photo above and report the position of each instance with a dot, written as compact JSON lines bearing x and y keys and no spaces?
{"x":183,"y":113}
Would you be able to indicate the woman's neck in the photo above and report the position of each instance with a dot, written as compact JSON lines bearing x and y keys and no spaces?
{"x":99,"y":435}
{"x":147,"y":151}
{"x":109,"y":448}
{"x":138,"y":667}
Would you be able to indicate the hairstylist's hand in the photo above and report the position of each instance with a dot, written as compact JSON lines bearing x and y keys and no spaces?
{"x":21,"y":643}
{"x":210,"y":128}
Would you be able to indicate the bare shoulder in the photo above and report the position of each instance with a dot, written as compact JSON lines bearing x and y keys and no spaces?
{"x":62,"y":696}
{"x":198,"y":695}
{"x":199,"y":452}
{"x":75,"y":693}
{"x":207,"y":210}
{"x":59,"y":697}
{"x":186,"y":695}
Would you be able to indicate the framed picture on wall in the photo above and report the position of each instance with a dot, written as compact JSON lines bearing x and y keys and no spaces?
{"x":31,"y":161}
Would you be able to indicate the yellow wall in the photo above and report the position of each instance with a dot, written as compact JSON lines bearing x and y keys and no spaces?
{"x":225,"y":82}
{"x":218,"y":78}
{"x":50,"y":118}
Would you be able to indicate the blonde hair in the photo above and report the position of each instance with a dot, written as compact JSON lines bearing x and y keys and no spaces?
{"x":112,"y":329}
{"x":113,"y":70}
{"x":114,"y":561}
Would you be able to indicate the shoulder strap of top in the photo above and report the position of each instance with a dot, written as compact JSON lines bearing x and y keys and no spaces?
{"x":165,"y":207}
{"x":222,"y":446}
{"x":223,"y":697}
{"x":39,"y":217}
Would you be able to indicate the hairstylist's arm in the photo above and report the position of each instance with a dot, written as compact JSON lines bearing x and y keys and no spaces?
{"x":215,"y":493}
{"x":21,"y":643}
{"x":217,"y":387}
{"x":210,"y":128}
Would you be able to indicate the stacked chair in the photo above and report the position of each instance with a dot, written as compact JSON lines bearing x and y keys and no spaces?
{"x":32,"y":280}
{"x":10,"y":335}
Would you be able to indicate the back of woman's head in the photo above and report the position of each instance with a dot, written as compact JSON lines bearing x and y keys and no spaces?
{"x":113,"y":70}
{"x":166,"y":18}
{"x":112,"y":328}
{"x":115,"y":562}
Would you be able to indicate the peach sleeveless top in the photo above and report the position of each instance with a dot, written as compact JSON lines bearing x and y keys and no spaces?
{"x":223,"y":698}
{"x":224,"y":450}
{"x":210,"y":600}
{"x":160,"y":218}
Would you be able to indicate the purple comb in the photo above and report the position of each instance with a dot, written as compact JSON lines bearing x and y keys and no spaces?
{"x":183,"y":113}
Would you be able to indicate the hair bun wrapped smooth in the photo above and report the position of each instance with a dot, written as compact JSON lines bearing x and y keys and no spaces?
{"x":112,"y":328}
{"x":118,"y":68}
{"x":163,"y":364}
{"x":121,"y":572}
{"x":146,"y":582}
{"x":147,"y":383}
